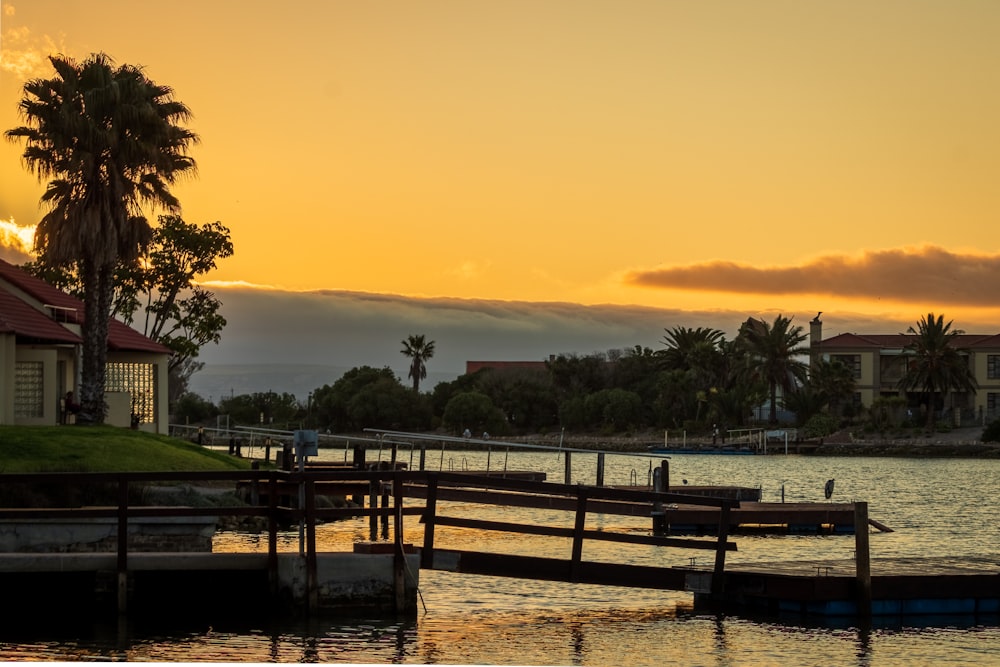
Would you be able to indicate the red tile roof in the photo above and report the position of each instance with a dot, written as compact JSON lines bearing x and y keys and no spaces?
{"x":889,"y":341}
{"x":15,"y":317}
{"x":22,"y":320}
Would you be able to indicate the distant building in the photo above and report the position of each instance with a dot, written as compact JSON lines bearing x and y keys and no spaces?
{"x":40,"y":355}
{"x":877,"y":364}
{"x":473,"y":366}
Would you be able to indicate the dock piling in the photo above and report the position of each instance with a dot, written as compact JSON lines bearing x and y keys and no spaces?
{"x":862,"y":560}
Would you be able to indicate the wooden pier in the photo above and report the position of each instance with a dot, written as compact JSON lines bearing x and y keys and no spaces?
{"x":913,"y":586}
{"x":934,"y":585}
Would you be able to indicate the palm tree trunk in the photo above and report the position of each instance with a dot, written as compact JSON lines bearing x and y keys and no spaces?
{"x":91,"y":396}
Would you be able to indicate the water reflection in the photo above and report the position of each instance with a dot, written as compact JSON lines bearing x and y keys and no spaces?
{"x":935,"y":506}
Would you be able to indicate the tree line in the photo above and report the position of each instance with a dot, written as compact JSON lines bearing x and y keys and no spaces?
{"x":697,"y":379}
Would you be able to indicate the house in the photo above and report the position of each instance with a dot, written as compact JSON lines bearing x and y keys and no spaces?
{"x":40,"y":358}
{"x":877,"y":363}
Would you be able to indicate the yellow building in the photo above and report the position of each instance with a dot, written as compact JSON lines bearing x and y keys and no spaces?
{"x":878,"y":362}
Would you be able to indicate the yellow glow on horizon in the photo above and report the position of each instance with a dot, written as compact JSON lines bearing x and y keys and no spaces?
{"x":544,"y":152}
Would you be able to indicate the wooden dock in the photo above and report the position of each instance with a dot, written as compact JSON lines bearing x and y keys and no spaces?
{"x":933,"y":585}
{"x":749,"y":517}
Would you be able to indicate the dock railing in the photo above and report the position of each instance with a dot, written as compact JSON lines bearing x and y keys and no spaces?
{"x":273,"y":494}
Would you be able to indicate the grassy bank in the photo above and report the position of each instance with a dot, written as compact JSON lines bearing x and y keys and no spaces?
{"x":103,"y":449}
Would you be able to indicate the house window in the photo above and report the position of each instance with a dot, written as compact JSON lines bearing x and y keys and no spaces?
{"x":139,"y":380}
{"x":852,"y":361}
{"x":992,"y":401}
{"x":29,"y":389}
{"x":993,"y":366}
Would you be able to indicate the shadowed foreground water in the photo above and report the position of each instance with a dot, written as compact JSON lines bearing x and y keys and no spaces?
{"x":935,"y":506}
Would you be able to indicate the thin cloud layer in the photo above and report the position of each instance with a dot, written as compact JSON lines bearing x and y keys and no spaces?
{"x":904,"y":275}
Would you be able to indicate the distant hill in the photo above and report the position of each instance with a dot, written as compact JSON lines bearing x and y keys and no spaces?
{"x":217,"y":380}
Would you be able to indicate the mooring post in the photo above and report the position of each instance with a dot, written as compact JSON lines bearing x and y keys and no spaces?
{"x":385,"y":509}
{"x":665,"y":475}
{"x":568,"y":469}
{"x":578,"y":528}
{"x":430,"y":512}
{"x":373,"y":508}
{"x":423,"y":456}
{"x":359,"y":464}
{"x":600,"y":469}
{"x":719,"y":573}
{"x":862,"y":560}
{"x":272,"y":532}
{"x":399,"y":560}
{"x":312,"y":578}
{"x":122,"y":545}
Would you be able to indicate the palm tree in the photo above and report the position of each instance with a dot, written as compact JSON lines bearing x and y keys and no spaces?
{"x":775,"y":348}
{"x":419,"y":351}
{"x":108,"y":139}
{"x":934,"y":363}
{"x":834,"y":382}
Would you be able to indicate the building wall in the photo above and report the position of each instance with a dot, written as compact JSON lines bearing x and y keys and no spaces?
{"x":7,"y":356}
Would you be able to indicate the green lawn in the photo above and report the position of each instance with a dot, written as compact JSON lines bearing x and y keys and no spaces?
{"x":104,"y":449}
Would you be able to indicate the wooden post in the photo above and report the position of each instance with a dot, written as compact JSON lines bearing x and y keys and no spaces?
{"x":423,"y":456}
{"x":430,"y":512}
{"x":578,"y":527}
{"x":568,"y":470}
{"x":719,"y":573}
{"x":359,"y":464}
{"x":373,"y":507}
{"x":665,"y":476}
{"x":272,"y":533}
{"x":862,"y":560}
{"x":385,"y":509}
{"x":399,"y":560}
{"x":600,"y":469}
{"x":122,"y":545}
{"x":312,"y":579}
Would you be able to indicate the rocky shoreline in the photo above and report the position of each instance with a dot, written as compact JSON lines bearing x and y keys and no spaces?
{"x":958,"y":443}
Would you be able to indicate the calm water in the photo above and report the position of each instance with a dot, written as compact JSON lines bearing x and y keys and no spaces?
{"x":935,"y":506}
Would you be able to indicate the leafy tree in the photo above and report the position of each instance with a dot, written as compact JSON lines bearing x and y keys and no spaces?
{"x":776,"y":348}
{"x":615,"y":409}
{"x":443,"y":391}
{"x":574,"y":375}
{"x":834,"y":382}
{"x":524,"y":396}
{"x":473,"y":410}
{"x":386,"y":403}
{"x":161,"y":291}
{"x":935,"y":364}
{"x":330,"y":402}
{"x":419,"y":350}
{"x":192,"y":408}
{"x":270,"y":409}
{"x":111,"y":142}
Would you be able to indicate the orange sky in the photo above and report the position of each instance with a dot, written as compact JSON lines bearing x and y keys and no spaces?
{"x":755,"y":156}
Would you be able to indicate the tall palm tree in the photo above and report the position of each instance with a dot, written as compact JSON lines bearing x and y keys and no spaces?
{"x":776,"y":348}
{"x":109,"y":140}
{"x":419,"y":350}
{"x":935,"y":363}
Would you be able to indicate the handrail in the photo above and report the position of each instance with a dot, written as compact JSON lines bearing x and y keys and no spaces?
{"x":275,"y":484}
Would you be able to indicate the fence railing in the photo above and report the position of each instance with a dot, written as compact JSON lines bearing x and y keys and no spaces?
{"x":286,"y":498}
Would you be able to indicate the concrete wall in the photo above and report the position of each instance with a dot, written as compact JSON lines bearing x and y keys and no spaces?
{"x":176,"y":534}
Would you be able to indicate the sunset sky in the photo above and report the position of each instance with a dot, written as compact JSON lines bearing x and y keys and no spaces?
{"x":754,"y":157}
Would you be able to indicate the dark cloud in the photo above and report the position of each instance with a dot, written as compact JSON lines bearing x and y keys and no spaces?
{"x":297,"y":341}
{"x":923,"y":275}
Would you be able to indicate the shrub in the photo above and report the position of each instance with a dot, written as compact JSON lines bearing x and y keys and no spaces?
{"x":992,"y":432}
